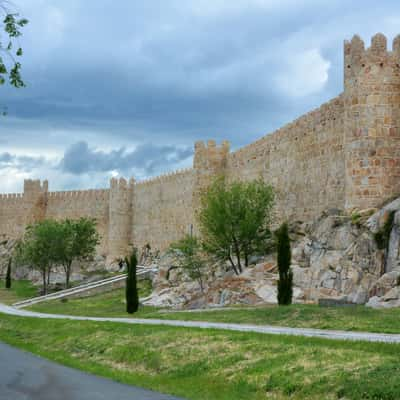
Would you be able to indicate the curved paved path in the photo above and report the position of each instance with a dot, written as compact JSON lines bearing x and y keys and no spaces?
{"x":27,"y":377}
{"x":268,"y":329}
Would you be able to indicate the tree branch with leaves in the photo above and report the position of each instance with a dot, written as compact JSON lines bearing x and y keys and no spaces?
{"x":11,"y":26}
{"x":189,"y":257}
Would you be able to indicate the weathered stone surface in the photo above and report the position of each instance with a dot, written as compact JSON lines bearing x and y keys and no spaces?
{"x":385,"y":293}
{"x":332,"y":258}
{"x":392,"y":260}
{"x":385,"y":283}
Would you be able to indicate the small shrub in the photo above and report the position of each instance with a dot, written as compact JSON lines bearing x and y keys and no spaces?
{"x":355,"y":218}
{"x":189,"y":257}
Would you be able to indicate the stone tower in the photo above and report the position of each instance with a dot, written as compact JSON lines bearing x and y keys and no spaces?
{"x":120,"y":218}
{"x":371,"y":121}
{"x":35,"y":200}
{"x":209,"y":162}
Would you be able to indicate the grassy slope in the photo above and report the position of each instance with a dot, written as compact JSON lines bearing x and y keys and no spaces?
{"x":19,"y":290}
{"x":214,"y":365}
{"x":358,"y":318}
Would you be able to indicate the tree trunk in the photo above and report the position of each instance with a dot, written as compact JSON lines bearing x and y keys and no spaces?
{"x":233,"y":265}
{"x":200,"y":280}
{"x":44,"y":282}
{"x":237,"y":253}
{"x":8,"y":275}
{"x":67,"y":275}
{"x":246,"y":258}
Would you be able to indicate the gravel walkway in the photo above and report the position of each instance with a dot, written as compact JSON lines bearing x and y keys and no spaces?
{"x":268,"y":329}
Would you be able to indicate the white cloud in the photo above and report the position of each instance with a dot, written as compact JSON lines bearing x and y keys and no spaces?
{"x":303,"y":74}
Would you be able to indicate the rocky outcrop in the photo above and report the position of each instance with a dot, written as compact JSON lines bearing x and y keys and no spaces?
{"x":385,"y":292}
{"x":335,"y":257}
{"x":173,"y":288}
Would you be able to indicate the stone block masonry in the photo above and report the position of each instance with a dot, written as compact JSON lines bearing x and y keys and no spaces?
{"x":345,"y":154}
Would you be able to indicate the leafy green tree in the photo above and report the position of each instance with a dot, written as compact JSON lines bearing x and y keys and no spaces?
{"x":285,"y":283}
{"x":8,"y":275}
{"x":10,"y":49}
{"x":188,"y":255}
{"x":235,"y":219}
{"x":77,"y":240}
{"x":39,"y":247}
{"x":131,"y":290}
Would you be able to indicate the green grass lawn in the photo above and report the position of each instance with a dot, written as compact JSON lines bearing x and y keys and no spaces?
{"x":214,"y":365}
{"x":20,"y":290}
{"x":357,"y":318}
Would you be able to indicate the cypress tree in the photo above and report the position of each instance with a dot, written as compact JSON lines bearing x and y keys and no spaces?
{"x":131,"y":291}
{"x":285,"y":283}
{"x":8,"y":275}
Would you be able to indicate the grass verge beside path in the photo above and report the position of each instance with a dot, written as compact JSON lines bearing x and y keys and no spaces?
{"x":358,"y":318}
{"x":214,"y":365}
{"x":20,"y":290}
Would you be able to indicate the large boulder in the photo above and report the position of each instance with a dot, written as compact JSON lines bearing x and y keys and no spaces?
{"x":385,"y":293}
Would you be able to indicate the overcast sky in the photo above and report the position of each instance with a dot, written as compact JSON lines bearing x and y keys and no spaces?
{"x":126,"y":87}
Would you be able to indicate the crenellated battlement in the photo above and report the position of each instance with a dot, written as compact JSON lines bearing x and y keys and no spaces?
{"x":355,"y":48}
{"x":361,"y":60}
{"x":35,"y":186}
{"x":10,"y":196}
{"x":78,"y":194}
{"x":328,"y":113}
{"x":210,"y":156}
{"x":164,"y":178}
{"x":121,"y":184}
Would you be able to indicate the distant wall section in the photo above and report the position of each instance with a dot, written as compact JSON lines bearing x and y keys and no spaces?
{"x":12,"y":215}
{"x":162,"y":209}
{"x":83,"y":203}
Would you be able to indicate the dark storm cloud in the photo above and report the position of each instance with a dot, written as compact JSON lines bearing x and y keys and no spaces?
{"x":80,"y":159}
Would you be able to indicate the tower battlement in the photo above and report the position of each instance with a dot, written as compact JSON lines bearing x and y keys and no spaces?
{"x":210,"y":156}
{"x":35,"y":186}
{"x":359,"y":59}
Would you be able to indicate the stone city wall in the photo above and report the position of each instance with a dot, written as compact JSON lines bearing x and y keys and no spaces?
{"x":75,"y":204}
{"x":162,"y":209}
{"x":345,"y":154}
{"x":304,"y":161}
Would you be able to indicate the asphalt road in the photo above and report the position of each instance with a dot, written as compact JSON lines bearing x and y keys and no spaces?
{"x":24,"y":376}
